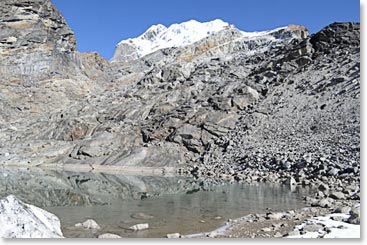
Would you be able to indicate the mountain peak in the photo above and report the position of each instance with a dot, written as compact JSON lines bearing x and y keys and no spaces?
{"x":187,"y":33}
{"x":177,"y":35}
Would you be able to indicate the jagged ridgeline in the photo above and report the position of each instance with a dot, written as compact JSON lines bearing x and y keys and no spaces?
{"x":203,"y":98}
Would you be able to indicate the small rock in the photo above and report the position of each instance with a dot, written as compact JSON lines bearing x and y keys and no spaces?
{"x":291,"y":212}
{"x":275,"y":216}
{"x":355,"y":212}
{"x":276,"y":226}
{"x":291,"y":181}
{"x":354,"y":216}
{"x":108,"y":235}
{"x":266,"y":229}
{"x":320,"y":194}
{"x":327,"y":229}
{"x":139,"y":227}
{"x":278,"y":235}
{"x":323,"y":187}
{"x":337,"y":218}
{"x":212,"y":234}
{"x":337,"y":195}
{"x":324,"y":203}
{"x":173,"y":235}
{"x":89,"y":224}
{"x":322,"y":158}
{"x":353,"y":221}
{"x":342,"y":210}
{"x":294,"y":233}
{"x":142,"y":216}
{"x":305,"y":182}
{"x":312,"y":228}
{"x":333,"y":172}
{"x":341,"y":227}
{"x":307,"y":158}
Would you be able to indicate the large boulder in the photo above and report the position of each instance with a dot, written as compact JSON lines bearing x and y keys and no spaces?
{"x":21,"y":220}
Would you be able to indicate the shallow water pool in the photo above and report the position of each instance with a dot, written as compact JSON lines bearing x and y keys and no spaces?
{"x":167,"y":204}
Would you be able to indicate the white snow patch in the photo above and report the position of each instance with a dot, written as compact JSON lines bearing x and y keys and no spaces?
{"x":256,"y":34}
{"x":339,"y":229}
{"x":177,"y":35}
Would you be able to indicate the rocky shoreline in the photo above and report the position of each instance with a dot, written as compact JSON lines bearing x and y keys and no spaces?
{"x":292,"y":224}
{"x":340,"y":219}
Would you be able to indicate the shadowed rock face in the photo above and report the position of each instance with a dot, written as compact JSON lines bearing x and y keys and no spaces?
{"x":227,"y":103}
{"x":35,"y":41}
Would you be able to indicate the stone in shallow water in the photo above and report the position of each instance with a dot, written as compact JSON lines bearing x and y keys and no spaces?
{"x":88,"y":224}
{"x":108,"y":235}
{"x":139,"y":227}
{"x":174,"y":235}
{"x":142,"y":216}
{"x":21,"y":220}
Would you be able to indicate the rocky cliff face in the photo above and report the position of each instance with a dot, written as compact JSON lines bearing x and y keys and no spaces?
{"x":41,"y":72}
{"x":35,"y":41}
{"x":227,"y":105}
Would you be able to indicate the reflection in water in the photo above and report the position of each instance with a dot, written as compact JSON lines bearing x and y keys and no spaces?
{"x":176,"y":204}
{"x":45,"y":188}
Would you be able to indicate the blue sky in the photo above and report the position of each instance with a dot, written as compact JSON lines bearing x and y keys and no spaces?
{"x":100,"y":24}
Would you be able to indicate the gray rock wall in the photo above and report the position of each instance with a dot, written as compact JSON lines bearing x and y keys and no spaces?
{"x":227,"y":104}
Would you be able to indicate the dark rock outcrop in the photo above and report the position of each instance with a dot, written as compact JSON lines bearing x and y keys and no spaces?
{"x":337,"y":36}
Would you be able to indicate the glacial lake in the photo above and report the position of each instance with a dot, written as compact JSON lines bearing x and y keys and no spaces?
{"x":167,"y":204}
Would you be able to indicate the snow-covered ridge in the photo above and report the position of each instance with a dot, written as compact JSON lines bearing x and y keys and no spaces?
{"x":177,"y":35}
{"x":187,"y":33}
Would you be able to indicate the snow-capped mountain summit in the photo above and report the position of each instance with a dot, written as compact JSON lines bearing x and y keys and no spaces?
{"x":217,"y":33}
{"x":177,"y":35}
